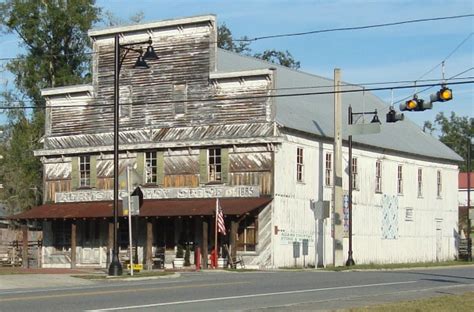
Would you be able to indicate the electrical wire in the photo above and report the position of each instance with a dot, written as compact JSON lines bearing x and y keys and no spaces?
{"x":238,"y":98}
{"x":299,"y":33}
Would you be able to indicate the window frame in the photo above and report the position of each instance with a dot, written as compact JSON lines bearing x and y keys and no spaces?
{"x":439,"y":184}
{"x":180,"y":97}
{"x":355,"y":174}
{"x":328,"y":169}
{"x":243,"y":244}
{"x":378,"y":176}
{"x":152,"y":177}
{"x":400,"y":180}
{"x":85,"y":171}
{"x":299,"y":164}
{"x":214,"y":164}
{"x":420,"y":182}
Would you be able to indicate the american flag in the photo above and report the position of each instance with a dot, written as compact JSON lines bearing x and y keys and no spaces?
{"x":220,"y":218}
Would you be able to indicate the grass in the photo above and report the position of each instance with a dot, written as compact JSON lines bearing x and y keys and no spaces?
{"x":374,"y":266}
{"x":462,"y":302}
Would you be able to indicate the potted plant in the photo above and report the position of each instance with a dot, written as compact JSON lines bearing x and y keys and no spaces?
{"x":179,"y":260}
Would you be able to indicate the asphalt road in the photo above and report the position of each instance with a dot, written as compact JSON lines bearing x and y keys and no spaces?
{"x":249,"y":291}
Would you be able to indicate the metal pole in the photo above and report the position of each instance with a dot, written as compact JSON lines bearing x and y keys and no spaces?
{"x":469,"y":146}
{"x":350,"y":260}
{"x":338,"y":209}
{"x":130,"y":221}
{"x":115,"y":267}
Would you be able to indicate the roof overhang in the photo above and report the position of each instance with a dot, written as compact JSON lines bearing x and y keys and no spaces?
{"x":150,"y":208}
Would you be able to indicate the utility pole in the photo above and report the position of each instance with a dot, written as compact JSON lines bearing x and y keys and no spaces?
{"x":337,"y":193}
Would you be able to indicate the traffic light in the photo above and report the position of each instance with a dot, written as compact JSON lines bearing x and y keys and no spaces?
{"x":416,"y":104}
{"x":392,"y":116}
{"x":443,"y":95}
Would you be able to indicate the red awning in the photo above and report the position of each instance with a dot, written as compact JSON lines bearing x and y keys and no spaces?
{"x":150,"y":208}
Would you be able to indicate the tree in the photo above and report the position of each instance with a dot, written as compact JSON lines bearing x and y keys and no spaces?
{"x":226,"y":42}
{"x":455,"y":132}
{"x":54,"y":37}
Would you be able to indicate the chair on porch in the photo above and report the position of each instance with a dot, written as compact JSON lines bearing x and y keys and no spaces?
{"x":233,"y":261}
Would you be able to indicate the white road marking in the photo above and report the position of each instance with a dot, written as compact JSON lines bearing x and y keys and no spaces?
{"x":247,"y":296}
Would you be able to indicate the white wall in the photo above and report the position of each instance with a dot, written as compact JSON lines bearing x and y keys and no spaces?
{"x":416,"y":240}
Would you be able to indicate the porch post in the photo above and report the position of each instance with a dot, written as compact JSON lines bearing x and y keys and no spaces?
{"x":233,"y":241}
{"x":73,"y":244}
{"x":110,"y":243}
{"x":24,"y":255}
{"x":149,"y":244}
{"x":205,"y":229}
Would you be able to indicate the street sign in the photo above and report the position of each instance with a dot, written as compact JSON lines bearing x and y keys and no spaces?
{"x":296,"y":250}
{"x":134,"y":205}
{"x":359,"y":129}
{"x":305,"y":247}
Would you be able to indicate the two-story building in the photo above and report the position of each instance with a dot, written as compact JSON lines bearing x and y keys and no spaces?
{"x":202,"y":123}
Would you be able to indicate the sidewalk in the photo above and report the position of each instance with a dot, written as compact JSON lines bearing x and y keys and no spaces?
{"x":20,"y":278}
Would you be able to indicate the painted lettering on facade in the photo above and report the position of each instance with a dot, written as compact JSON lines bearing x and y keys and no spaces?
{"x":163,"y":193}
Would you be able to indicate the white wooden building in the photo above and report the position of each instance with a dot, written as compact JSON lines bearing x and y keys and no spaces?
{"x":275,"y":157}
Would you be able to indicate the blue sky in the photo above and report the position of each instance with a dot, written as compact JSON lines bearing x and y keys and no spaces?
{"x":396,"y":53}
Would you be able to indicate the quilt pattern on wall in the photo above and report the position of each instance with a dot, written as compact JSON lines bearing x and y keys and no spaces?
{"x":389,"y":217}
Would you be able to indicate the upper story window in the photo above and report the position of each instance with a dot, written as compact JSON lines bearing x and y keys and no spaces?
{"x":151,"y":168}
{"x":299,"y":165}
{"x":439,"y":184}
{"x":355,"y":177}
{"x":84,"y":171}
{"x":378,"y":176}
{"x":400,"y":180}
{"x":420,"y":182}
{"x":215,"y":165}
{"x":328,"y":169}
{"x":180,"y":95}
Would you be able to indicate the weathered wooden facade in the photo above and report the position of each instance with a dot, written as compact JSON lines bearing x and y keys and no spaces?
{"x":202,"y":123}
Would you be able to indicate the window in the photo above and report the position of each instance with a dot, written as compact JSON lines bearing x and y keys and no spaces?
{"x":355,"y":182}
{"x":125,"y":108}
{"x":378,"y":176}
{"x":299,"y":164}
{"x":61,"y":230}
{"x":400,"y":180}
{"x":215,"y":165}
{"x":150,"y":167}
{"x":84,"y":171}
{"x":439,"y":184}
{"x":328,"y":170}
{"x":180,"y":95}
{"x":247,"y":234}
{"x":420,"y":182}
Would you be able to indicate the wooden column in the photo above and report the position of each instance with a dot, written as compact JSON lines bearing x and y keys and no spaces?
{"x":24,"y":255}
{"x":73,"y":244}
{"x":110,"y":243}
{"x":205,"y":242}
{"x":149,"y":244}
{"x":233,"y":240}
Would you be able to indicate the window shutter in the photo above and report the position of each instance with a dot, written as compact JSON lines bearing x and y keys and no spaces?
{"x":141,"y":166}
{"x":93,"y":166}
{"x":225,"y":165}
{"x":160,"y":168}
{"x":203,"y":176}
{"x":74,"y":172}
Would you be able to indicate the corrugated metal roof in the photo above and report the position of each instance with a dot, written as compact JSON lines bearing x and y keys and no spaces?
{"x":150,"y":208}
{"x":315,"y":113}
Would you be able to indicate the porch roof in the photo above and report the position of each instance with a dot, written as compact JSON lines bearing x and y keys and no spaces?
{"x":150,"y":208}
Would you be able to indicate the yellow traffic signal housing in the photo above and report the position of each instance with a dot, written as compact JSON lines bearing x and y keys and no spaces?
{"x":445,"y":94}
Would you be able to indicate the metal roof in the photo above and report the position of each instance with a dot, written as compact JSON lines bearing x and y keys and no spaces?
{"x":315,"y":113}
{"x":150,"y":208}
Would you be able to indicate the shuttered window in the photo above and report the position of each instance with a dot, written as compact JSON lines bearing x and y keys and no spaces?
{"x":400,"y":180}
{"x":355,"y":175}
{"x":328,"y":169}
{"x":84,"y":171}
{"x":439,"y":184}
{"x":420,"y":182}
{"x":214,"y":165}
{"x":151,"y":168}
{"x":378,"y":176}
{"x":299,"y":165}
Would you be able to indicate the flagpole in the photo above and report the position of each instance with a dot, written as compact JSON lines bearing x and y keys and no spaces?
{"x":215,"y":230}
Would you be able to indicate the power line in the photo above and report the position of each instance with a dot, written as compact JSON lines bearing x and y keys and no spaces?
{"x":345,"y":84}
{"x":244,"y":97}
{"x":299,"y":33}
{"x":358,"y":27}
{"x":447,"y":57}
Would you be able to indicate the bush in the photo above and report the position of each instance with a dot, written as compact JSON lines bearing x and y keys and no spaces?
{"x":179,"y":251}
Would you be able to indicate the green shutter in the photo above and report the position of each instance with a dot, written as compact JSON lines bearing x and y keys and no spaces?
{"x":225,"y":165}
{"x":74,"y":172}
{"x":93,"y":164}
{"x":203,"y":176}
{"x":160,"y":168}
{"x":141,"y":166}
